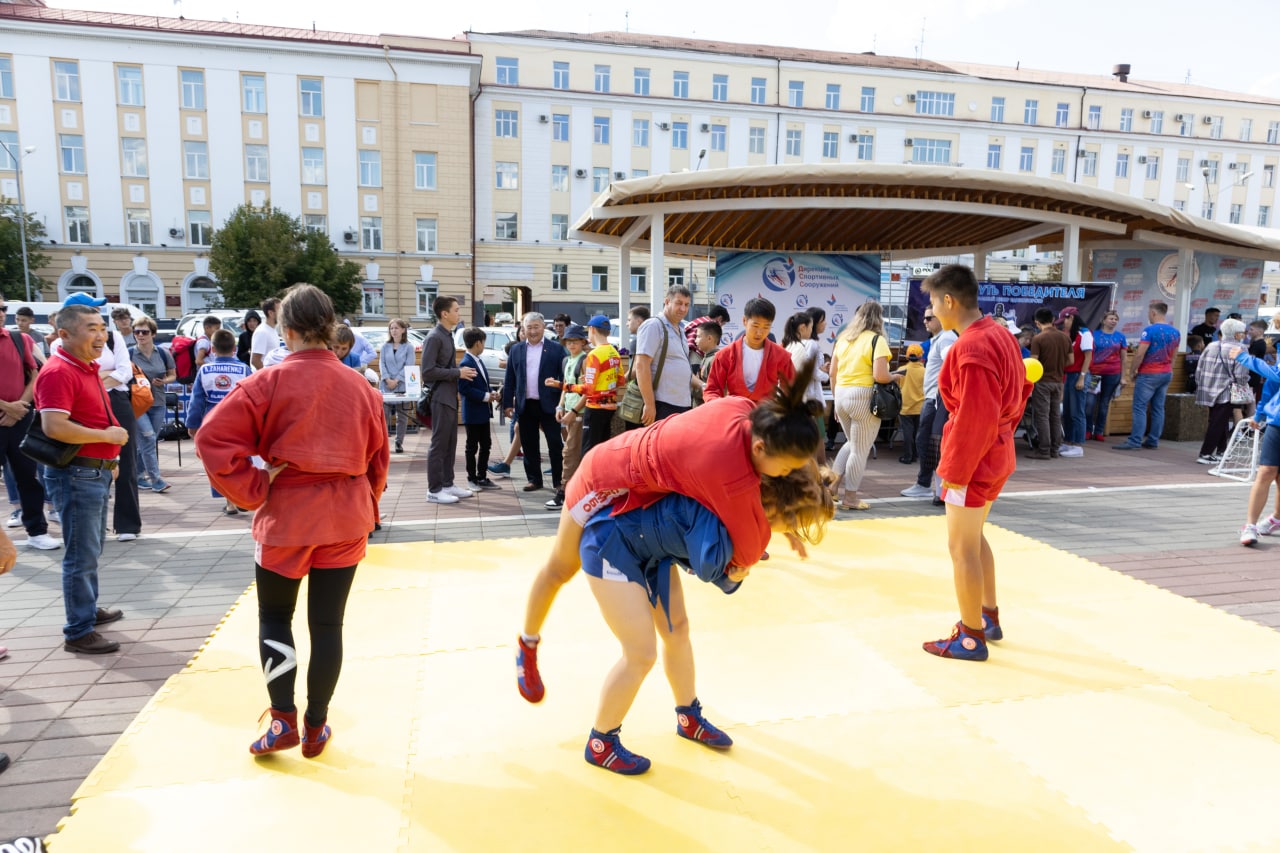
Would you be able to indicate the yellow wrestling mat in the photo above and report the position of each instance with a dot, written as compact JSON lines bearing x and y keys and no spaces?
{"x":1114,"y":716}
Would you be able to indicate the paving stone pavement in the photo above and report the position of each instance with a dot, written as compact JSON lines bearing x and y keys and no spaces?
{"x":1154,"y":515}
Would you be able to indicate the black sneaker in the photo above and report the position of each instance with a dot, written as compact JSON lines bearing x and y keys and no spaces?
{"x":486,"y":483}
{"x":105,"y":616}
{"x":92,"y":643}
{"x":557,"y":501}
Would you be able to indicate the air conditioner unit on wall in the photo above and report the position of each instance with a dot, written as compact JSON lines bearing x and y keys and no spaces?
{"x":662,"y":125}
{"x":1204,"y":164}
{"x":349,"y":236}
{"x":706,"y":128}
{"x":1142,"y":158}
{"x":619,"y":176}
{"x":175,"y":232}
{"x":1208,"y":119}
{"x":1233,"y":165}
{"x":1146,"y":113}
{"x":579,"y":173}
{"x":853,"y":137}
{"x":1081,"y":153}
{"x":911,"y":99}
{"x":909,"y":142}
{"x":1180,"y":117}
{"x":543,"y":119}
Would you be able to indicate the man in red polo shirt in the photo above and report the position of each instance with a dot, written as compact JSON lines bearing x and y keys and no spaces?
{"x":17,"y":379}
{"x":73,"y":408}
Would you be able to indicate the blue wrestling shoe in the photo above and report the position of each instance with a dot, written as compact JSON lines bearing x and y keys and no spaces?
{"x":991,"y":624}
{"x":607,"y":751}
{"x":692,"y":725}
{"x":283,"y":733}
{"x":964,"y":644}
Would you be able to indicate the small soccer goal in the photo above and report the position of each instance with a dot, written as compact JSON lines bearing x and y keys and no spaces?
{"x":1240,"y":461}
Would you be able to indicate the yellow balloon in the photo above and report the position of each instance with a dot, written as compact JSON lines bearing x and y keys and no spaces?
{"x":1034,"y":368}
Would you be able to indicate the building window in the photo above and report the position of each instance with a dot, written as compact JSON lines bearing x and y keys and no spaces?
{"x":559,"y":226}
{"x":192,"y":90}
{"x":560,"y":127}
{"x":313,"y":165}
{"x":719,"y":133}
{"x":560,"y":179}
{"x":795,"y":93}
{"x":866,"y":147}
{"x":200,"y":227}
{"x":755,"y":140}
{"x":1179,"y":205}
{"x":1062,"y":115}
{"x":129,"y":85}
{"x":602,"y":78}
{"x":640,"y":81}
{"x":1246,"y":130}
{"x":1031,"y":112}
{"x":1183,"y":175}
{"x":1215,"y":127}
{"x":795,"y":142}
{"x":72,"y":147}
{"x":1264,"y":216}
{"x":370,"y":168}
{"x":1027,"y":159}
{"x":6,"y":77}
{"x":506,"y":123}
{"x":255,"y":93}
{"x":935,"y":103}
{"x":559,"y":75}
{"x":425,"y":293}
{"x":1185,"y":126}
{"x":1206,"y":209}
{"x":639,"y":173}
{"x":599,"y":179}
{"x":371,"y":233}
{"x":931,"y":151}
{"x":315,"y":222}
{"x":311,"y":93}
{"x":680,"y":134}
{"x":1122,"y":165}
{"x":424,"y":170}
{"x":508,"y":69}
{"x":640,"y":132}
{"x":1237,"y":211}
{"x":833,"y":96}
{"x":256,"y":165}
{"x":868,"y":101}
{"x":1157,"y":121}
{"x":1126,"y":120}
{"x":506,"y":227}
{"x":1268,"y":176}
{"x":680,"y":84}
{"x":133,"y":157}
{"x":560,"y":277}
{"x":66,"y":78}
{"x":506,"y":176}
{"x":77,"y":224}
{"x":1153,"y":167}
{"x":373,"y":299}
{"x":1058,"y":162}
{"x":638,"y":280}
{"x":139,"y":227}
{"x":426,"y":231}
{"x":1094,"y":122}
{"x":993,"y":155}
{"x":757,"y":90}
{"x":195,"y":156}
{"x":720,"y":87}
{"x":1273,"y":132}
{"x":1211,"y":173}
{"x":675,"y":276}
{"x":1090,"y":164}
{"x":997,"y":109}
{"x":830,"y":145}
{"x":599,"y":279}
{"x":600,"y":130}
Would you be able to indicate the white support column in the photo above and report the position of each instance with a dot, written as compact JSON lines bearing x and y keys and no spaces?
{"x":980,"y":264}
{"x":1071,"y":254}
{"x":624,"y":293}
{"x":657,"y":264}
{"x":1186,"y":284}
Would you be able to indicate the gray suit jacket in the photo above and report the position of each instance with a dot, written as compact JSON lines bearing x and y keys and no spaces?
{"x":439,"y":367}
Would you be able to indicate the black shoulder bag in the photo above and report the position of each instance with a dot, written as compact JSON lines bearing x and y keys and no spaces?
{"x":886,"y":398}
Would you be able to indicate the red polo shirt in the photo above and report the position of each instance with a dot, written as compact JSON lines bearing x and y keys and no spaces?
{"x":13,"y":378}
{"x":67,"y":384}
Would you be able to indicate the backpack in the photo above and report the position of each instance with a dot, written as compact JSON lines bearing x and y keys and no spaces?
{"x":183,"y":350}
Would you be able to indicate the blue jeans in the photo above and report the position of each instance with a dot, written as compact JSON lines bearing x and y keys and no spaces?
{"x":80,"y":496}
{"x":11,"y":485}
{"x":1074,"y":403}
{"x":150,"y":423}
{"x":1148,"y":395}
{"x":1100,"y":404}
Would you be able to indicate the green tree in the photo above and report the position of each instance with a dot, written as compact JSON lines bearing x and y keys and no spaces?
{"x":11,"y":252}
{"x":260,"y":251}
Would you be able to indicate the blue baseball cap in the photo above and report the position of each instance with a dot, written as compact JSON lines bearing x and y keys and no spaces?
{"x":574,"y":332}
{"x":84,"y":299}
{"x":599,"y":321}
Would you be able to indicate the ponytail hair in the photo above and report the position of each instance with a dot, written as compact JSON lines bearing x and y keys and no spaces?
{"x":791,"y":333}
{"x":785,"y":421}
{"x":801,"y":501}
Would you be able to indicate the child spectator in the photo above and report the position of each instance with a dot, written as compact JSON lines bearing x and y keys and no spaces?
{"x":204,"y":342}
{"x":599,"y":386}
{"x":752,"y":365}
{"x":706,"y":345}
{"x":477,"y":410}
{"x":1195,"y":349}
{"x":343,"y":345}
{"x":575,"y":340}
{"x":911,"y":378}
{"x":214,"y":380}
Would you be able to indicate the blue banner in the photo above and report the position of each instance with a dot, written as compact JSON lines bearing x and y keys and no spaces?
{"x":1018,"y":302}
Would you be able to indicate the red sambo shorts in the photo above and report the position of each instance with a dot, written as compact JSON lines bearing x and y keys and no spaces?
{"x":976,"y":494}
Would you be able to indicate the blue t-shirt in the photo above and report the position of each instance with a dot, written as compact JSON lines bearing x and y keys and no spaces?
{"x":1162,"y":342}
{"x":1107,"y":353}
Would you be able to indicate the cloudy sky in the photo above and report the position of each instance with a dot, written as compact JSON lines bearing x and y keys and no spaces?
{"x":1173,"y":41}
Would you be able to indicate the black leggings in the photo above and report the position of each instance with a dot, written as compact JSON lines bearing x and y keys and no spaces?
{"x":326,"y":604}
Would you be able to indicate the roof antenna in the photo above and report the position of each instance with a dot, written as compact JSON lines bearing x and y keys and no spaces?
{"x":627,"y":17}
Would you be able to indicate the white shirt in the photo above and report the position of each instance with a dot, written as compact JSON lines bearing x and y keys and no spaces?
{"x":532,"y":361}
{"x":265,"y":339}
{"x":752,"y":361}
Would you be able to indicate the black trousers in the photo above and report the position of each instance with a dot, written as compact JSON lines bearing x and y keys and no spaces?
{"x":30,"y":490}
{"x":530,"y":422}
{"x":909,"y":425}
{"x":1219,"y":429}
{"x":327,"y":592}
{"x":127,"y":515}
{"x":597,"y":427}
{"x":479,"y":442}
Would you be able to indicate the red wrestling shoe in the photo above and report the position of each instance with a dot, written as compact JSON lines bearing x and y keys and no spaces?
{"x":283,"y":733}
{"x":692,"y":725}
{"x":314,"y":738}
{"x":527,"y":678}
{"x":963,"y":644}
{"x":607,"y":751}
{"x":991,"y":624}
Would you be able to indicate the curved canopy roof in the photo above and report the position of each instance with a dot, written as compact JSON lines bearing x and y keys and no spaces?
{"x":904,"y":210}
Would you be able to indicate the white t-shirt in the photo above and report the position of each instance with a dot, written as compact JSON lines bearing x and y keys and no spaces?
{"x":265,"y":339}
{"x":752,"y":361}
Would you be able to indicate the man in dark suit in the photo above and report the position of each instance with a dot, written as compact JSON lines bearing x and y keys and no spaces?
{"x":527,"y":398}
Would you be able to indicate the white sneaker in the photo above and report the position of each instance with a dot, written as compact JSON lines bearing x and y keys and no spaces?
{"x":44,"y":542}
{"x":15,"y":519}
{"x":53,"y":516}
{"x":915,"y":490}
{"x":1070,"y":451}
{"x":1208,"y":459}
{"x":458,"y":492}
{"x":1249,"y":534}
{"x":126,"y":537}
{"x":1268,"y":525}
{"x":441,"y":497}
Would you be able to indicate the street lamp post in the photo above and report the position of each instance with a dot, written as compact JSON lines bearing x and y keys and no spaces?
{"x":22,"y":213}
